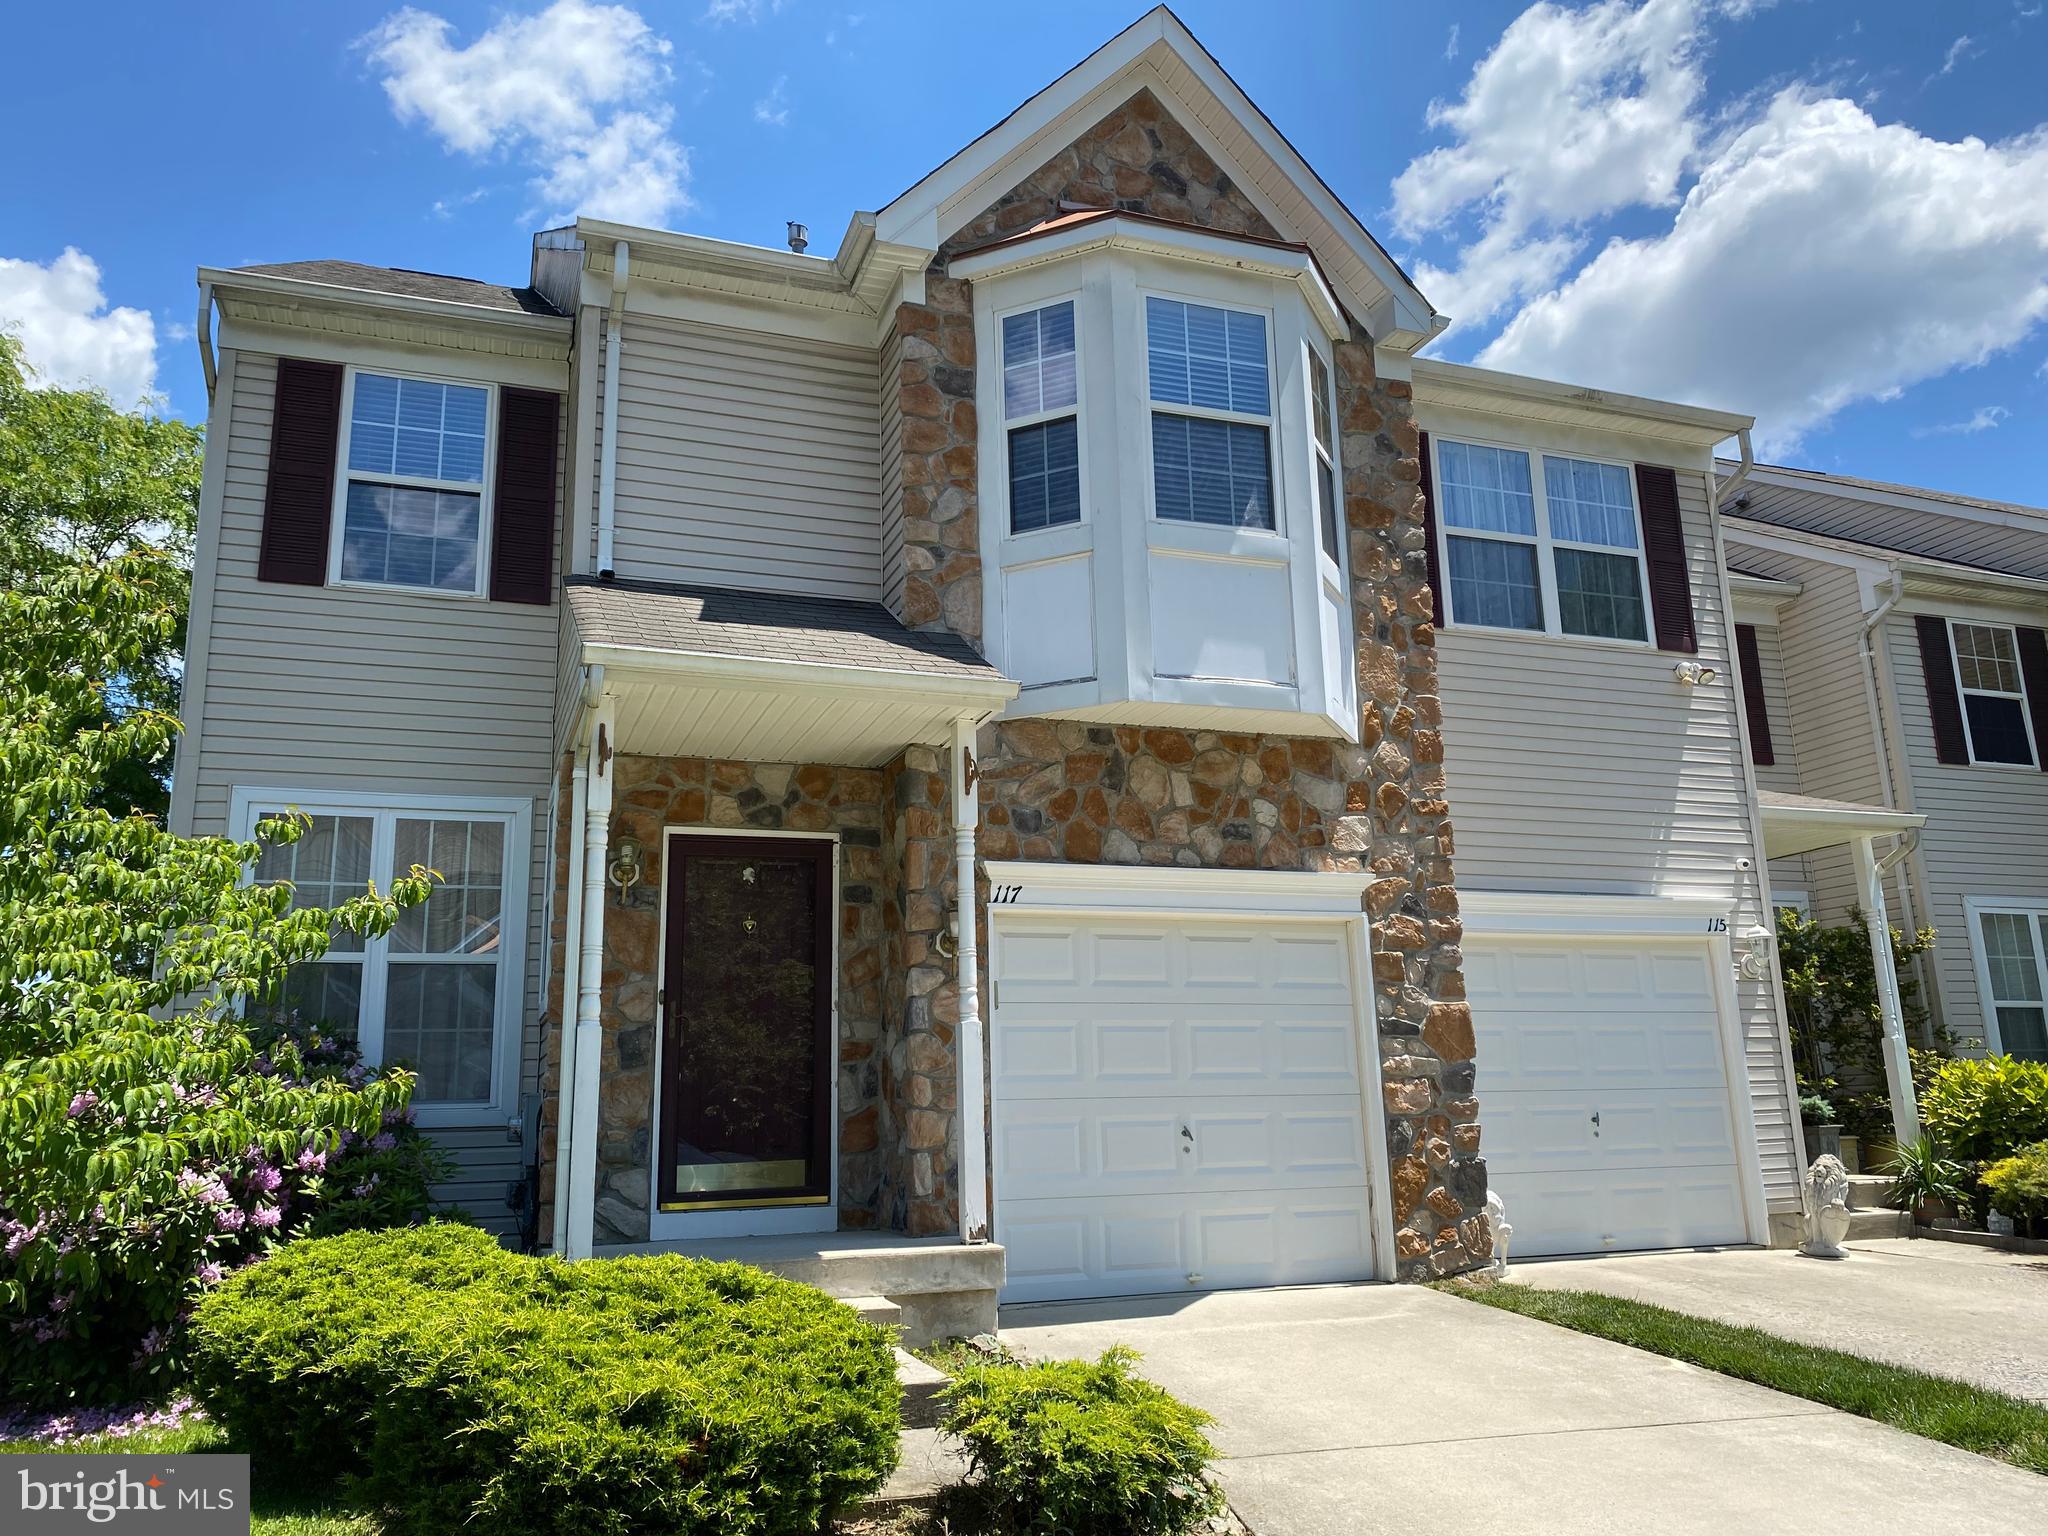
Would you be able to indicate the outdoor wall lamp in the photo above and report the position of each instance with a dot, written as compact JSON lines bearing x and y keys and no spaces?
{"x":1755,"y":964}
{"x":626,"y":865}
{"x":1694,"y":674}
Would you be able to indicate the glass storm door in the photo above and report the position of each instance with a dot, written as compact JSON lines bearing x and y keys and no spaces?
{"x":746,"y":1019}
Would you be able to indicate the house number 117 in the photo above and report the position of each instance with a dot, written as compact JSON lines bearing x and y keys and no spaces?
{"x":1004,"y":895}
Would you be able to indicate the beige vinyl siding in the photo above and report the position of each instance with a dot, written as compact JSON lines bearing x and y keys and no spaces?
{"x":2021,"y":550}
{"x":747,"y":460}
{"x":1584,"y":766}
{"x":894,"y":572}
{"x":316,"y":689}
{"x":1986,"y":835}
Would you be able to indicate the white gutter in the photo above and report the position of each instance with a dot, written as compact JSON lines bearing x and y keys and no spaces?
{"x":1882,"y":729}
{"x":608,"y":453}
{"x":203,"y":332}
{"x":973,"y":1116}
{"x":1743,"y":469}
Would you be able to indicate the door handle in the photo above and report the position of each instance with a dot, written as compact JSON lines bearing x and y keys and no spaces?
{"x":1596,"y":1122}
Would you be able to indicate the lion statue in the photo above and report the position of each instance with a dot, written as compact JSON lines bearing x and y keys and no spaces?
{"x":1503,"y":1234}
{"x":1825,"y":1200}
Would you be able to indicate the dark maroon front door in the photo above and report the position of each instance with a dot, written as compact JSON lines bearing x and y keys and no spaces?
{"x":746,"y":1022}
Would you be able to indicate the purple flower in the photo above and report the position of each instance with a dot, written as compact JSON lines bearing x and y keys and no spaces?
{"x":264,"y":1179}
{"x":264,"y":1216}
{"x":230,"y":1218}
{"x":311,"y":1161}
{"x":82,"y":1103}
{"x":154,"y":1342}
{"x":209,"y":1273}
{"x":383,"y":1141}
{"x":367,"y":1187}
{"x":19,"y":1236}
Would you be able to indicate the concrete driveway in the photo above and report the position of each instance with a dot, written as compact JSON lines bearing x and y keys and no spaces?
{"x":1351,"y":1409}
{"x":1972,"y":1313}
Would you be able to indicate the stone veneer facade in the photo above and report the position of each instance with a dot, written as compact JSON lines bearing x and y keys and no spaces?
{"x":1091,"y":792}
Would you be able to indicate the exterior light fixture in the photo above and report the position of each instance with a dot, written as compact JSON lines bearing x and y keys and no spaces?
{"x":1755,"y":964}
{"x":799,"y":236}
{"x":627,"y":864}
{"x":1694,"y":674}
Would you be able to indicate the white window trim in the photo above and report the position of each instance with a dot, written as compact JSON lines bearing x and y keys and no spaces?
{"x":1798,"y":901}
{"x":1330,"y":561}
{"x":1078,"y":410}
{"x":1975,"y":909}
{"x":1276,"y":493}
{"x":1542,"y":541}
{"x":1963,"y":692}
{"x":484,"y":490}
{"x":246,"y":801}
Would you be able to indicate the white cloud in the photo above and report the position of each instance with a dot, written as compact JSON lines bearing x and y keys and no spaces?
{"x":1820,"y":259}
{"x":577,"y":89}
{"x":773,"y":109}
{"x":1451,"y":42}
{"x":721,"y":12}
{"x":446,"y":207}
{"x":1572,"y":115}
{"x":1983,"y":419}
{"x":1958,"y":50}
{"x":69,"y":336}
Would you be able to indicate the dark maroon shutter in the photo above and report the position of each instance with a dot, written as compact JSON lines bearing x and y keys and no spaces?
{"x":523,"y":500}
{"x":1664,"y":550}
{"x":1937,"y":666}
{"x":1436,"y":575}
{"x":298,"y":497}
{"x":1753,"y":710}
{"x":2034,"y":674}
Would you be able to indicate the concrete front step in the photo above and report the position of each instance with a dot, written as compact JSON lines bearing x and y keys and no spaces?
{"x":921,"y":1385}
{"x":879,"y":1310}
{"x":1869,"y":1192}
{"x":1869,"y":1224}
{"x":942,"y":1288}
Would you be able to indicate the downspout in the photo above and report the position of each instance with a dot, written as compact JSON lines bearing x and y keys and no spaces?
{"x":973,"y":1117}
{"x":1877,"y":697}
{"x":203,"y":332}
{"x":1741,"y":470}
{"x":1898,"y":1066}
{"x":608,"y":453}
{"x":565,"y":1022}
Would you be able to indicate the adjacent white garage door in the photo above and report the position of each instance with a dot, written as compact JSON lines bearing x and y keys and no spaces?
{"x":1176,"y":1105}
{"x":1603,"y":1099}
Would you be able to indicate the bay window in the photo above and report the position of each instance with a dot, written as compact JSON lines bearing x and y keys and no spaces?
{"x":1329,"y":505}
{"x":441,"y":992}
{"x":2012,"y":959}
{"x":1994,"y":693}
{"x":1559,"y":554}
{"x":1041,"y":402}
{"x":412,"y":489}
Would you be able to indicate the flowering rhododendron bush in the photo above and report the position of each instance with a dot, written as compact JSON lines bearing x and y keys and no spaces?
{"x":151,"y":1141}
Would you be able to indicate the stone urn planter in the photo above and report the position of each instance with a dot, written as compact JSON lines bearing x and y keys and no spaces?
{"x":1824,"y":1141}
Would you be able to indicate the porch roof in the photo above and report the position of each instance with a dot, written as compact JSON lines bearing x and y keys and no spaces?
{"x":1802,"y":823}
{"x":774,"y":677}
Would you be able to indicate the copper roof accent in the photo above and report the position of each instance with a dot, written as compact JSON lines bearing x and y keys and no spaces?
{"x":1074,"y":217}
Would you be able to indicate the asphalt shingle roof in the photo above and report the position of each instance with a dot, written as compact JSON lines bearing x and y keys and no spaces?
{"x":764,"y":626}
{"x":409,"y":284}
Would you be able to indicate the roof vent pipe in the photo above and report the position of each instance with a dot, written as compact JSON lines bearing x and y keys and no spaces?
{"x":799,"y":236}
{"x":608,"y":448}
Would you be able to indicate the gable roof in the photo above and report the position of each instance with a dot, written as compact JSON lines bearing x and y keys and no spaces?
{"x":1158,"y":52}
{"x":406,"y":283}
{"x":1885,"y":490}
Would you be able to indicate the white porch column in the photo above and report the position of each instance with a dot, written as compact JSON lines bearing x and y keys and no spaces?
{"x":597,"y":814}
{"x":572,"y":958}
{"x":1898,"y":1067}
{"x":973,"y":1116}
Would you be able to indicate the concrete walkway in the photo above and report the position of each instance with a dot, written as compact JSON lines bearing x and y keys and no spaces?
{"x":1972,"y":1313}
{"x":1345,"y":1410}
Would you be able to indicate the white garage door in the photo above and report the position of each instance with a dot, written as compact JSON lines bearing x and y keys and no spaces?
{"x":1602,"y":1096}
{"x":1176,"y":1106}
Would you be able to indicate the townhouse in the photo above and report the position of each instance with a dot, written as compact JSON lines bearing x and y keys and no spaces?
{"x":1042,"y":753}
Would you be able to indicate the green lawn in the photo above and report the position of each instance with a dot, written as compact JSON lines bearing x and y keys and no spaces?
{"x":277,"y":1513}
{"x":2008,"y":1429}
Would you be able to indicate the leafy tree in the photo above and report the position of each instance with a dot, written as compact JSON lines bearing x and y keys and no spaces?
{"x":1831,"y":1008}
{"x":83,"y":481}
{"x":146,"y":1144}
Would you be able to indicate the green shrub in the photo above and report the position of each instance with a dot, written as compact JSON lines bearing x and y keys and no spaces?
{"x":1074,"y":1449}
{"x":466,"y":1388}
{"x":1987,"y":1108}
{"x":2018,"y":1185}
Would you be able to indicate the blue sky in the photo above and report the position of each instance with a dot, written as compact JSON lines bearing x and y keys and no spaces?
{"x":1833,"y":216}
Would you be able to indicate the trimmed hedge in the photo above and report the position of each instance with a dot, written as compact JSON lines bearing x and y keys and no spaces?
{"x":1982,"y":1109}
{"x":1070,"y":1448}
{"x":468,"y":1388}
{"x":2018,"y":1186}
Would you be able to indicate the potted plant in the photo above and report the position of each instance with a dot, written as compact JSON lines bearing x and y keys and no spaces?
{"x":1823,"y":1130}
{"x":1926,"y":1180}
